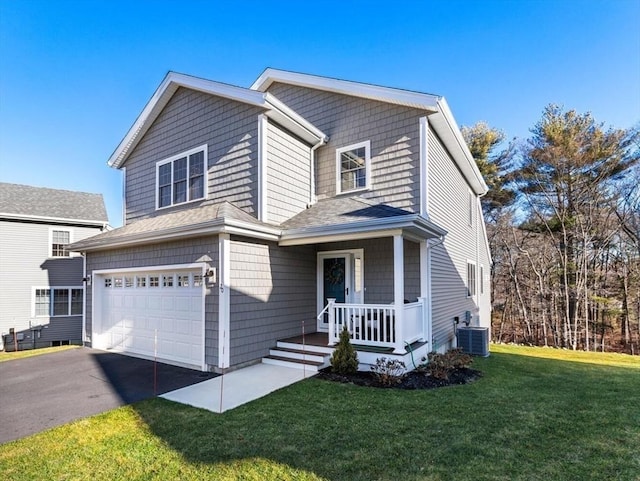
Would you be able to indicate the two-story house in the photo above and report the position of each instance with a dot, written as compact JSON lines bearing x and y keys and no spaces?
{"x":301,"y":204}
{"x":41,"y":281}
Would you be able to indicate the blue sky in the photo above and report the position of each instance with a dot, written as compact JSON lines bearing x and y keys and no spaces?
{"x":74,"y":75}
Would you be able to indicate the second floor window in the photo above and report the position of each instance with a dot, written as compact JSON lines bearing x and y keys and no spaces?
{"x":59,"y":239}
{"x":181,"y":178}
{"x":353,"y":167}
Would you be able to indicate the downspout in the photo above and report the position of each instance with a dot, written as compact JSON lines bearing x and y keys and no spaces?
{"x":312,"y":183}
{"x":84,"y":297}
{"x":430,"y":245}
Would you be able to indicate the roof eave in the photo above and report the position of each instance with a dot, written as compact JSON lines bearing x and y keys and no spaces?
{"x":53,"y":220}
{"x":416,"y":226}
{"x":372,"y":92}
{"x":216,"y":226}
{"x":448,"y":130}
{"x":173,"y":80}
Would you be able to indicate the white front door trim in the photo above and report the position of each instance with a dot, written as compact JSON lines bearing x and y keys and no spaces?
{"x":354,"y":278}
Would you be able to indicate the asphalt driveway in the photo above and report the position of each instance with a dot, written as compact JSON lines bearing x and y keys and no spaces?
{"x":42,"y":392}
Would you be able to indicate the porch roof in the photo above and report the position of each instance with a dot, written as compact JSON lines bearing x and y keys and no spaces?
{"x":345,"y":218}
{"x":211,"y":219}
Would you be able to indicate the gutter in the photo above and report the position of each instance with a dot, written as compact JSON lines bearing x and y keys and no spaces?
{"x":218,"y":226}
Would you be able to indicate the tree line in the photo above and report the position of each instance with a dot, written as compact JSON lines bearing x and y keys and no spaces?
{"x":563,"y":222}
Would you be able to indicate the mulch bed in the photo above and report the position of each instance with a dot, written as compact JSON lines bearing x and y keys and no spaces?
{"x":411,"y":380}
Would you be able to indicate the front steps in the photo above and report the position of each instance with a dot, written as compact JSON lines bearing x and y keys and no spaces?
{"x":299,"y":356}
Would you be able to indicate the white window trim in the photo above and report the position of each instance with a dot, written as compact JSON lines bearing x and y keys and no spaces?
{"x":52,"y":288}
{"x":171,"y":160}
{"x":481,"y":276}
{"x":367,"y":165}
{"x":61,"y":229}
{"x":471,"y":295}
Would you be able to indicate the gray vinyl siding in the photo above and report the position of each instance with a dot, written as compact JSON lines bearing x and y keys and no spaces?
{"x":25,"y":264}
{"x":448,"y":207}
{"x":393,"y":131}
{"x":288,"y":174}
{"x":273,"y":290}
{"x":188,"y":251}
{"x":484,"y":303}
{"x":189,"y":120}
{"x":378,"y":268}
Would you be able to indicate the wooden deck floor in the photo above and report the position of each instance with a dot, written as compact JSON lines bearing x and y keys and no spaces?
{"x":311,"y":339}
{"x":322,"y":339}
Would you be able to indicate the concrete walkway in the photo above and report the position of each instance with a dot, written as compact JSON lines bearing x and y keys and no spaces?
{"x":238,"y":387}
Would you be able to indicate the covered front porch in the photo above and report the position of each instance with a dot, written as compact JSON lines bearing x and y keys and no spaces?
{"x":373,"y":272}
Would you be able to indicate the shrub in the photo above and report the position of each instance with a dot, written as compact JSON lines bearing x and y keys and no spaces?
{"x":441,"y":366}
{"x":388,"y":371}
{"x":344,"y":359}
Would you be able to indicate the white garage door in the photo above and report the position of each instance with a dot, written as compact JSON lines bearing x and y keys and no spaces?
{"x":152,"y":314}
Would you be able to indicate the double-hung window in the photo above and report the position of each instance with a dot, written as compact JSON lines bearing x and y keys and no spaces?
{"x":58,"y":301}
{"x":181,"y":178}
{"x":471,"y":279}
{"x":353,"y":167}
{"x":59,"y":239}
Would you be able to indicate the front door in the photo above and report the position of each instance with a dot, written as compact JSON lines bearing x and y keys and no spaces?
{"x":336,"y":280}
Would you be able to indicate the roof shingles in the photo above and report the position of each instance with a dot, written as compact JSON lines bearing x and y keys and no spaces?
{"x":25,"y":200}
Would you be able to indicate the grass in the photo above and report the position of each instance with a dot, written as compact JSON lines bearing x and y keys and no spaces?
{"x":10,"y":356}
{"x":536,"y":414}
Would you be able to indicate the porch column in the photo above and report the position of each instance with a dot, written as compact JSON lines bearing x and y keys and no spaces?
{"x":425,"y":290}
{"x":224,"y":299}
{"x":398,"y":291}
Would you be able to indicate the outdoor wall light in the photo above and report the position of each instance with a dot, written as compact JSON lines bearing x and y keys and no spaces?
{"x":87,"y":280}
{"x":210,"y":275}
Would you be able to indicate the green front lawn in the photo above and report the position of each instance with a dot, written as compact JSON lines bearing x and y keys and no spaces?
{"x":536,"y":414}
{"x":10,"y":356}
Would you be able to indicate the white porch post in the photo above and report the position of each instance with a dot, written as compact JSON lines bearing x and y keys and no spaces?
{"x":224,"y":299}
{"x":398,"y":291}
{"x":425,"y":290}
{"x":331,"y":312}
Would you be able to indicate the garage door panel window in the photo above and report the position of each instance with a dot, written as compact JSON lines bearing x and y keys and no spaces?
{"x":168,"y":280}
{"x":57,"y":302}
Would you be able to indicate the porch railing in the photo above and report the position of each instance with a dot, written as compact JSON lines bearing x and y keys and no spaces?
{"x":378,"y":325}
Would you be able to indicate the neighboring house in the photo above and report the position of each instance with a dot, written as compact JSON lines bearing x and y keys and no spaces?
{"x":41,"y":282}
{"x":303,"y":202}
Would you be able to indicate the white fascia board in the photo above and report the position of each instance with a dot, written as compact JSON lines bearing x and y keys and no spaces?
{"x":355,"y":89}
{"x":217,"y":226}
{"x":297,"y":124}
{"x":413,"y":224}
{"x":161,"y":97}
{"x":53,"y":220}
{"x":452,"y":137}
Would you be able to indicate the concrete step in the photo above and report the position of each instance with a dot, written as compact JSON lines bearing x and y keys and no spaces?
{"x":313,"y":366}
{"x":299,"y":354}
{"x":307,"y":347}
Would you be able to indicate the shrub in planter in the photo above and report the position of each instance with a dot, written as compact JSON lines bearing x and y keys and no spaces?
{"x":388,"y":371}
{"x":440,"y":366}
{"x":344,"y":359}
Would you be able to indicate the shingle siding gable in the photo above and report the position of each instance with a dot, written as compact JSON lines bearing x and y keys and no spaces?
{"x":393,"y":131}
{"x":191,"y":119}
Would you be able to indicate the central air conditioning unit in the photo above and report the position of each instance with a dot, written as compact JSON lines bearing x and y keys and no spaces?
{"x":474,"y":340}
